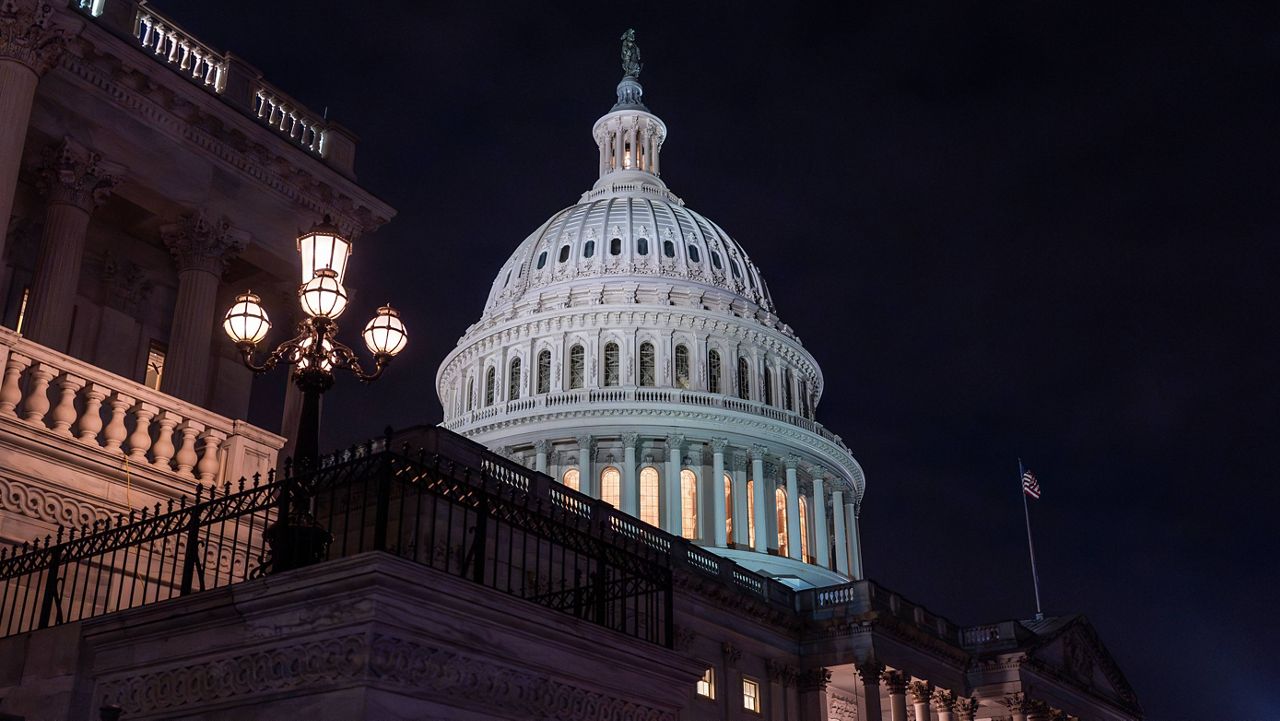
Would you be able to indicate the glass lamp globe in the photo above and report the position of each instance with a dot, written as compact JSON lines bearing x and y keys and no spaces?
{"x":323,"y":248}
{"x":303,"y":361}
{"x":323,"y":296}
{"x":246,"y":322}
{"x":386,"y":334}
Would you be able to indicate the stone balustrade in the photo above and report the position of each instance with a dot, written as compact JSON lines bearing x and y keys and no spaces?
{"x":48,"y":396}
{"x":171,"y":45}
{"x":290,"y":118}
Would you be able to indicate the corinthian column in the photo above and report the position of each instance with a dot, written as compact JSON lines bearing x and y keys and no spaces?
{"x":719,"y":534}
{"x":675,"y":499}
{"x":822,"y":539}
{"x":897,"y":683}
{"x":202,"y":248}
{"x":630,"y":492}
{"x":29,"y":46}
{"x":75,"y":180}
{"x":758,"y":499}
{"x":794,"y":542}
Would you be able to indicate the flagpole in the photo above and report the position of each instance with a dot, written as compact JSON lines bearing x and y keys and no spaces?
{"x":1026,"y":512}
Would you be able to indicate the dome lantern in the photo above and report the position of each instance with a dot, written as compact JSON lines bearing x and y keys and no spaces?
{"x":629,"y":136}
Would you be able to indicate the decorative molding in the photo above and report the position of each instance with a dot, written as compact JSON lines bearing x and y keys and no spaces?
{"x":49,"y":506}
{"x":28,"y":36}
{"x":73,"y":174}
{"x":199,"y":242}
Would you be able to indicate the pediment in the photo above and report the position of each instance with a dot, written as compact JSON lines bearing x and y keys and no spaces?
{"x":1076,"y":654}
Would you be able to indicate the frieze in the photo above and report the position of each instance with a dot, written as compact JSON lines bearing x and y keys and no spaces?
{"x":48,"y":506}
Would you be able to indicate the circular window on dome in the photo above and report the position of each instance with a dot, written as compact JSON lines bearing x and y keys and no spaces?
{"x":715,"y":260}
{"x":668,"y":249}
{"x":564,"y":253}
{"x":642,"y":246}
{"x":693,"y":254}
{"x":615,"y":246}
{"x":542,"y":260}
{"x":589,"y":249}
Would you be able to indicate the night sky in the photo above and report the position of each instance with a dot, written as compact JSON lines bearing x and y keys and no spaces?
{"x":1003,"y":230}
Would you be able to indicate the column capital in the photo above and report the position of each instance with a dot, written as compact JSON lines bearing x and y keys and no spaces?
{"x":818,"y":472}
{"x":944,"y":700}
{"x":870,"y":671}
{"x":719,"y":444}
{"x":1017,"y":702}
{"x":759,"y":452}
{"x":780,"y":672}
{"x":675,"y":441}
{"x":200,"y":242}
{"x":921,"y":691}
{"x":542,"y":446}
{"x":896,"y":681}
{"x":74,"y":174}
{"x":28,"y":35}
{"x":739,"y":460}
{"x":629,"y":440}
{"x":814,"y":679}
{"x":966,"y":708}
{"x":732,"y":654}
{"x":791,"y":461}
{"x":586,"y":443}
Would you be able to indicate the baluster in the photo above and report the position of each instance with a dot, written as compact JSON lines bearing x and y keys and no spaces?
{"x":140,"y":439}
{"x":208,"y":467}
{"x":186,"y":457}
{"x":91,"y":420}
{"x":36,"y":404}
{"x":64,"y":414}
{"x":115,"y":432}
{"x":10,"y":389}
{"x":162,"y":451}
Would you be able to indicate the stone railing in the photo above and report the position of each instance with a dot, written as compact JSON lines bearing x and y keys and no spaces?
{"x":53,"y":400}
{"x":168,"y":43}
{"x":864,"y":597}
{"x":289,"y":117}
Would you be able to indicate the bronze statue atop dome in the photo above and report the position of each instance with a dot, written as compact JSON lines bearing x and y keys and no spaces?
{"x":631,"y":64}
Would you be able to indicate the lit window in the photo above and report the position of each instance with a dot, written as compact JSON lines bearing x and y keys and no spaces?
{"x":22,"y":308}
{"x":542,"y":260}
{"x":589,"y":249}
{"x":544,"y":371}
{"x":707,"y":684}
{"x":570,"y":478}
{"x":647,"y":375}
{"x":668,"y":249}
{"x":693,"y":254}
{"x":751,"y":513}
{"x":611,"y":364}
{"x":780,"y":500}
{"x":577,"y":366}
{"x":564,"y":253}
{"x":688,"y":504}
{"x":155,"y":363}
{"x":642,"y":246}
{"x":804,"y":530}
{"x":610,"y":483}
{"x":744,"y":379}
{"x":713,"y":371}
{"x":682,"y":366}
{"x":728,"y":507}
{"x":615,"y":246}
{"x":750,"y":695}
{"x":649,"y":495}
{"x":490,"y":379}
{"x":513,"y":380}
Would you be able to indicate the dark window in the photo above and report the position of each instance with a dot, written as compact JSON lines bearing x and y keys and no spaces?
{"x":615,"y":246}
{"x":564,"y":253}
{"x":542,"y":260}
{"x":768,"y":386}
{"x":589,"y":249}
{"x":513,"y":381}
{"x":682,"y":366}
{"x":577,"y":366}
{"x":744,"y":379}
{"x":647,"y":375}
{"x":490,"y":379}
{"x":668,"y":249}
{"x":611,"y":364}
{"x":713,"y":371}
{"x":733,"y":265}
{"x":642,"y":246}
{"x":715,"y":260}
{"x":544,"y":371}
{"x":693,"y":254}
{"x":788,"y":400}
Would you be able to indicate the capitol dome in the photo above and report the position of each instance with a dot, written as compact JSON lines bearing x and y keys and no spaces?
{"x":630,"y":349}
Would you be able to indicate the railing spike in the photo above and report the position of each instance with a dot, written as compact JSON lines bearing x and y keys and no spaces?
{"x":48,"y":539}
{"x":170,"y":508}
{"x":288,"y":467}
{"x":271,"y":476}
{"x":226,"y":487}
{"x":199,"y":492}
{"x":71,"y":535}
{"x":182,"y":502}
{"x":158,"y":507}
{"x":256,"y":478}
{"x":144,"y":514}
{"x":4,"y":553}
{"x":213,"y":490}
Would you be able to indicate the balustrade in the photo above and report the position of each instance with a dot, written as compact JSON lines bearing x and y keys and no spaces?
{"x":172,"y":46}
{"x":290,"y":118}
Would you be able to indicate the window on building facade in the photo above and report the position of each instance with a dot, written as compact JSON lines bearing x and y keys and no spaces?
{"x":751,"y":513}
{"x":577,"y":366}
{"x":750,"y":695}
{"x":715,"y":260}
{"x":693,"y":254}
{"x":542,"y":260}
{"x":804,"y":399}
{"x":688,"y":504}
{"x":728,"y":507}
{"x":642,"y":246}
{"x":564,"y":253}
{"x":713,"y":371}
{"x":780,"y":500}
{"x":647,"y":375}
{"x":471,"y":393}
{"x":682,"y":366}
{"x":733,"y":265}
{"x":513,"y":380}
{"x":490,"y":380}
{"x":787,"y":399}
{"x":668,"y":249}
{"x":804,"y":530}
{"x":544,"y":371}
{"x":589,"y":249}
{"x":615,"y":246}
{"x":707,"y":684}
{"x":768,"y":384}
{"x":155,"y":365}
{"x":611,"y":364}
{"x":611,"y":486}
{"x":744,"y":379}
{"x":649,"y":495}
{"x":571,"y":479}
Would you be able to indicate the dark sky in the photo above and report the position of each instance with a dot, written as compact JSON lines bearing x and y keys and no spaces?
{"x":1003,"y":229}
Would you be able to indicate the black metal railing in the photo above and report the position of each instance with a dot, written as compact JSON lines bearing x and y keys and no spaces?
{"x":447,"y":503}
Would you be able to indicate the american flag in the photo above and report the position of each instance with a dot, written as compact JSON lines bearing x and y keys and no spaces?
{"x":1030,"y":485}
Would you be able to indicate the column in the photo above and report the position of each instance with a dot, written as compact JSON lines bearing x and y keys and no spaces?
{"x":869,"y":690}
{"x":896,"y":681}
{"x":719,"y":536}
{"x":630,"y":488}
{"x":586,"y":474}
{"x":1018,"y":706}
{"x":793,"y":509}
{"x":202,"y":246}
{"x":740,"y":520}
{"x":674,"y":504}
{"x":855,"y":545}
{"x":842,"y":543}
{"x":540,"y":450}
{"x":966,"y":709}
{"x":921,"y":695}
{"x":29,"y":46}
{"x":812,"y":688}
{"x":758,"y":498}
{"x":75,"y":180}
{"x":944,"y":704}
{"x":822,"y":540}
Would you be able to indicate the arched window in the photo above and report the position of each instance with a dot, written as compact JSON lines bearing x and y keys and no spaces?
{"x":713,"y":371}
{"x":728,"y":507}
{"x":668,"y":249}
{"x":490,"y":380}
{"x":693,"y":254}
{"x":780,"y":500}
{"x":577,"y":366}
{"x":471,"y":393}
{"x":744,"y":379}
{"x":642,"y":246}
{"x":544,"y":371}
{"x":564,"y":253}
{"x":589,"y":249}
{"x":804,"y":399}
{"x":688,"y":504}
{"x":611,"y":364}
{"x":787,"y":399}
{"x":571,"y":479}
{"x":804,"y":530}
{"x":751,"y":513}
{"x":611,"y":486}
{"x":768,"y":385}
{"x":715,"y":260}
{"x":649,"y":495}
{"x":647,"y":375}
{"x":733,"y":265}
{"x":513,"y":380}
{"x":682,"y":366}
{"x":615,"y":246}
{"x":542,"y":260}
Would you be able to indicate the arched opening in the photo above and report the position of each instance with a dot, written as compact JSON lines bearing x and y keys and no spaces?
{"x":693,"y":254}
{"x":615,"y":246}
{"x":589,"y":249}
{"x":649,"y":495}
{"x":751,"y":513}
{"x":513,"y":380}
{"x":544,"y":371}
{"x":668,"y":249}
{"x":713,"y":371}
{"x":688,"y":504}
{"x":788,"y":399}
{"x":611,"y":354}
{"x":564,"y":253}
{"x":611,"y":486}
{"x":471,"y":393}
{"x":682,"y":366}
{"x":768,"y":385}
{"x":804,"y":530}
{"x":642,"y":246}
{"x":577,"y":366}
{"x":571,"y":479}
{"x":647,"y":375}
{"x":744,"y":379}
{"x":780,"y":500}
{"x":490,"y":380}
{"x":728,"y":507}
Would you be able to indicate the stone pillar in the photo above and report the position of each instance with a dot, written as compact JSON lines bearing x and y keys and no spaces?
{"x":541,"y":449}
{"x":842,"y":539}
{"x":758,"y":498}
{"x":822,"y":539}
{"x":740,"y":518}
{"x":794,"y":542}
{"x":921,"y":695}
{"x":855,"y":543}
{"x":1018,"y":706}
{"x":202,"y":247}
{"x":812,"y":688}
{"x":675,"y":504}
{"x":896,"y":681}
{"x":719,"y":536}
{"x":944,"y":704}
{"x":74,"y":180}
{"x":966,"y":709}
{"x":630,"y":487}
{"x":869,"y":690}
{"x":586,"y":475}
{"x":29,"y":46}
